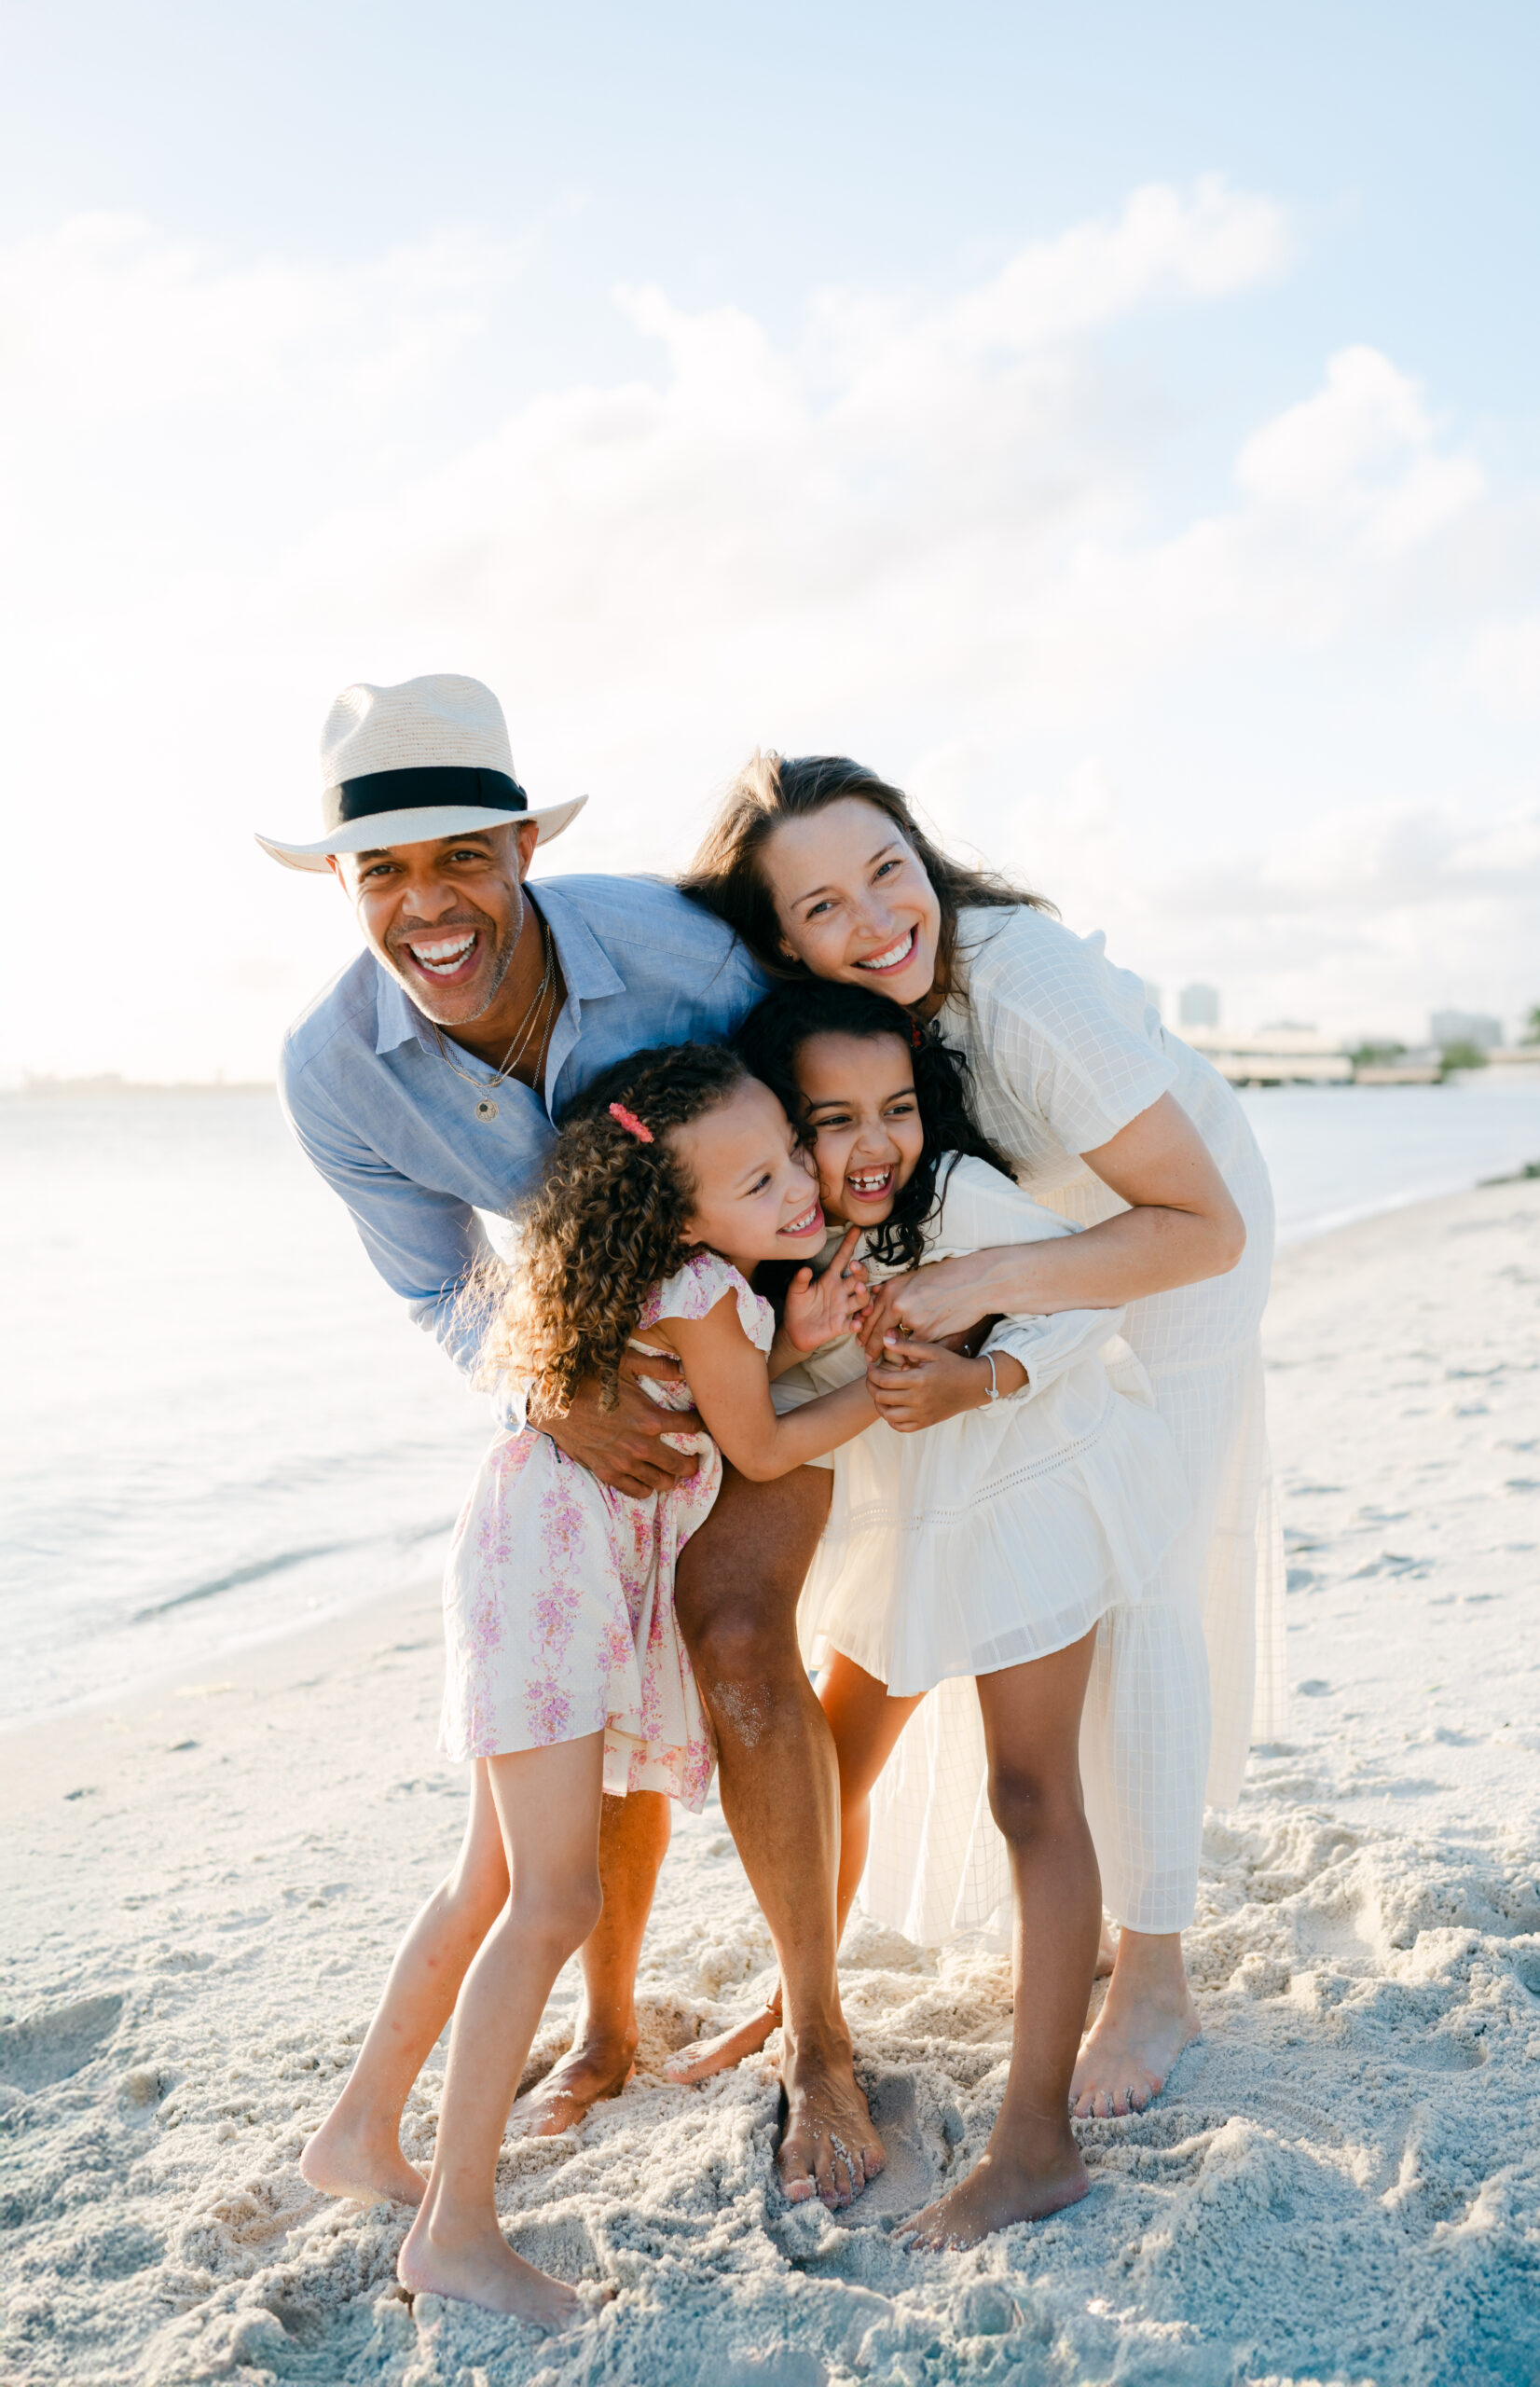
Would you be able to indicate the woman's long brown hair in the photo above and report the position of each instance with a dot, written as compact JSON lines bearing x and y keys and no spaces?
{"x":728,"y":878}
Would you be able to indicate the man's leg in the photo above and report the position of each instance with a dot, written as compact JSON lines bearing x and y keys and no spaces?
{"x":633,"y":1843}
{"x":736,"y":1592}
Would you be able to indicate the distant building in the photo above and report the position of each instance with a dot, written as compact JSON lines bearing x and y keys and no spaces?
{"x":1475,"y":1028}
{"x":1199,"y":1006}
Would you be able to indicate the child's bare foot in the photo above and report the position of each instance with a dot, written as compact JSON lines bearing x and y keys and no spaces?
{"x":687,"y":2067}
{"x":993,"y":2195}
{"x":479,"y":2267}
{"x":1106,"y":1953}
{"x":591,"y":2071}
{"x":342,"y":2160}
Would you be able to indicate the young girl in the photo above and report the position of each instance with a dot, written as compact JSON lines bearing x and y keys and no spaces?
{"x":1044,"y":1491}
{"x":566,"y":1675}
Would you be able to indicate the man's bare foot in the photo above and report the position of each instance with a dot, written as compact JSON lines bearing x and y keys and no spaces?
{"x":1147,"y":2019}
{"x":993,"y":2195}
{"x":687,"y":2067}
{"x":829,"y":2148}
{"x":341,"y":2162}
{"x":479,"y":2267}
{"x":588,"y":2073}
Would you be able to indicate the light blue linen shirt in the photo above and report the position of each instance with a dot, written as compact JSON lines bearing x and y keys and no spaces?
{"x":394,"y":1130}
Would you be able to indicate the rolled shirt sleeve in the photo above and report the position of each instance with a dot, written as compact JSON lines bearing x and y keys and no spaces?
{"x":426,"y":1245}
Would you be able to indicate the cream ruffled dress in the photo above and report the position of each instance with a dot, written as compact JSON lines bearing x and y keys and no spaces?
{"x":992,"y":1539}
{"x":558,"y":1596}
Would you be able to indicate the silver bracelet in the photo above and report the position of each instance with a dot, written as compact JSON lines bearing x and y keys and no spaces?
{"x":994,"y":1392}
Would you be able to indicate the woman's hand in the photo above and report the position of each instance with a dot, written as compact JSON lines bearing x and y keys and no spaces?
{"x":943,"y":1298}
{"x":820,"y":1309}
{"x":915,"y":1384}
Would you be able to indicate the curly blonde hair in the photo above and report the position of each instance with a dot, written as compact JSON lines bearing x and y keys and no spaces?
{"x":607,"y":1224}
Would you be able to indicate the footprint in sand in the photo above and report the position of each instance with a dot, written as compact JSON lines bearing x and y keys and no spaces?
{"x":50,"y":2046}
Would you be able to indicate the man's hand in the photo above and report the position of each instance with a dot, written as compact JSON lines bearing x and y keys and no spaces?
{"x":915,"y":1384}
{"x":820,"y":1309}
{"x":623,"y":1447}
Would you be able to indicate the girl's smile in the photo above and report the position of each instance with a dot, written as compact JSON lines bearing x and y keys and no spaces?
{"x":755,"y":1198}
{"x":862,"y":1115}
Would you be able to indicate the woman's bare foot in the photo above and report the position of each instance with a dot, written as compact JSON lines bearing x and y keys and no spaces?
{"x":586,"y":2075}
{"x":687,"y":2067}
{"x":829,"y":2148}
{"x":993,"y":2195}
{"x":340,"y":2161}
{"x":1147,"y":2019}
{"x":479,"y":2267}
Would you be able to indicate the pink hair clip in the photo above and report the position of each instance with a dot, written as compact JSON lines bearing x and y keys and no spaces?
{"x":632,"y":1125}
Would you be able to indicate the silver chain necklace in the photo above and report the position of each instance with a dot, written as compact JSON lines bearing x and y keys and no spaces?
{"x":485,"y":1110}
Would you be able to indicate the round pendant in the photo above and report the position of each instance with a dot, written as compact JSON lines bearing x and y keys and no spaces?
{"x":485,"y":1108}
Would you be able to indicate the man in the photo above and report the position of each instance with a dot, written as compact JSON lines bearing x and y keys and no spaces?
{"x":423,"y":1084}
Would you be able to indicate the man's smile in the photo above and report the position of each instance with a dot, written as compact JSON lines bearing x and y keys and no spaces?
{"x":447,"y":956}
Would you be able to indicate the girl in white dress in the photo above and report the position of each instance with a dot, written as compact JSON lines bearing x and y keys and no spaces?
{"x":1098,"y":1110}
{"x":1043,"y":1493}
{"x":566,"y":1675}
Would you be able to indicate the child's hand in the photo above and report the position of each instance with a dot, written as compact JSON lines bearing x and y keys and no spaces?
{"x":820,"y":1309}
{"x":915,"y":1384}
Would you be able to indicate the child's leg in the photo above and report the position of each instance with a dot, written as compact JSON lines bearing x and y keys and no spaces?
{"x":866,"y":1725}
{"x":1032,"y":2165}
{"x":633,"y":1842}
{"x":357,"y":2150}
{"x":548,"y":1805}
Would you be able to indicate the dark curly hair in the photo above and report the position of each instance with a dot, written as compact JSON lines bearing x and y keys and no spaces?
{"x":771,"y":789}
{"x":776,"y":1032}
{"x":607,"y":1224}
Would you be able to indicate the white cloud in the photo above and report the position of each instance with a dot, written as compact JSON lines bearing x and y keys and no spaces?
{"x":922,"y":530}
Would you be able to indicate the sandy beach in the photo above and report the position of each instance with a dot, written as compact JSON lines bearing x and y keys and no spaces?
{"x":202,"y":1888}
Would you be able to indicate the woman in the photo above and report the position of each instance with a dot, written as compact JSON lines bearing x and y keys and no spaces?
{"x":820,"y":867}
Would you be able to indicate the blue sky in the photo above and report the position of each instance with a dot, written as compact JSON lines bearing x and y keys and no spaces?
{"x":1121,"y":424}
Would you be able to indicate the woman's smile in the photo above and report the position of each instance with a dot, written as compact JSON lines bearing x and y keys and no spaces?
{"x":894,"y":957}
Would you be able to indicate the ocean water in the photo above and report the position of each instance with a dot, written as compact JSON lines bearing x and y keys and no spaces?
{"x":216,"y":1424}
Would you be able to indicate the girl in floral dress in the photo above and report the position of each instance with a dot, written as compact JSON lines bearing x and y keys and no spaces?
{"x":566,"y":1675}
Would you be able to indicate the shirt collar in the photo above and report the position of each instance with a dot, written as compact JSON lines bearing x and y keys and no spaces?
{"x":585,"y":968}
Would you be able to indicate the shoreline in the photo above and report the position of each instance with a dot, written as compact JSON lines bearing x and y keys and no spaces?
{"x":162,"y":1679}
{"x":204,"y":1887}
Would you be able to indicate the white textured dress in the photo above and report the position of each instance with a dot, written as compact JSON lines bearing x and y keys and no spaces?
{"x":1065,"y":1052}
{"x":558,"y":1593}
{"x":993,"y":1538}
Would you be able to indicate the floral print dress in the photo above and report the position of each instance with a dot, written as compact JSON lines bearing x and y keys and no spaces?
{"x":558,"y":1596}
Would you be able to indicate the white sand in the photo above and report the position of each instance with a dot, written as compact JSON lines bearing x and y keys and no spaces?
{"x":1342,"y":2183}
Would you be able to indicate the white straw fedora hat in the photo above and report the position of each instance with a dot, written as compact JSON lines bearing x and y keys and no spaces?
{"x":426,"y":759}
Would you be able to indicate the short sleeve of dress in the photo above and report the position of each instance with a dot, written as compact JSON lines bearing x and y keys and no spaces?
{"x":694,"y":1291}
{"x":1063,"y":1027}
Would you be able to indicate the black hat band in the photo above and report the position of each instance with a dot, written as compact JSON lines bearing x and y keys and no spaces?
{"x":414,"y":791}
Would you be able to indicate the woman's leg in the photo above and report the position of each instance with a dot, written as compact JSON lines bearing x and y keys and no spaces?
{"x":866,"y":1725}
{"x":1145,"y":1753}
{"x":1032,"y":2165}
{"x":633,"y":1842}
{"x":357,"y":2150}
{"x":548,"y":1804}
